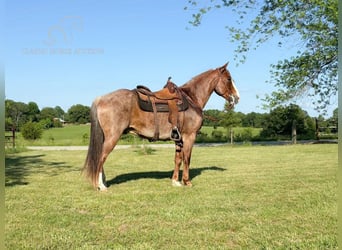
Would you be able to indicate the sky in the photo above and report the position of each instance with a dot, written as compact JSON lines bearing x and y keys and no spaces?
{"x":67,"y":52}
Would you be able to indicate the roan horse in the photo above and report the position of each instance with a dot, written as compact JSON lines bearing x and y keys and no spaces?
{"x":118,"y":112}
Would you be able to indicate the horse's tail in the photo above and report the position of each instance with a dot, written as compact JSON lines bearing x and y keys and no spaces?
{"x":91,"y":164}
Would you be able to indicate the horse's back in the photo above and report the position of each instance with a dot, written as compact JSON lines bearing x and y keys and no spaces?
{"x":114,"y":107}
{"x":119,"y":99}
{"x":114,"y":97}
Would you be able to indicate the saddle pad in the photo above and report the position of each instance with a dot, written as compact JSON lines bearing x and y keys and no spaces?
{"x":145,"y":104}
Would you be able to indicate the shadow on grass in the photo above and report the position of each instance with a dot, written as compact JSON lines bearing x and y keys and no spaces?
{"x":158,"y":175}
{"x":17,"y":168}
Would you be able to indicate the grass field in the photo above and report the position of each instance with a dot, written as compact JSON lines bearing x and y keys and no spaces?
{"x":76,"y":135}
{"x":73,"y":135}
{"x":260,"y":197}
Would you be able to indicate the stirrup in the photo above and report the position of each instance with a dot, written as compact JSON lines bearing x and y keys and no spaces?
{"x":175,"y":134}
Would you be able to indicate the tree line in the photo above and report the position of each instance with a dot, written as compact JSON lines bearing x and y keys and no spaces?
{"x":19,"y":114}
{"x":26,"y":117}
{"x":276,"y":124}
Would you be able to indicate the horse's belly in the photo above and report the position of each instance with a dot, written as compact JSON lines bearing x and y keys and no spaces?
{"x":148,"y":125}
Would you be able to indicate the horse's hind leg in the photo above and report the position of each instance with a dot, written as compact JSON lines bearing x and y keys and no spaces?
{"x":108,"y":146}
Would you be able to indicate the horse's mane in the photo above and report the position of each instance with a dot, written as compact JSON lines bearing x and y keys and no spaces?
{"x":196,"y":79}
{"x":190,"y":86}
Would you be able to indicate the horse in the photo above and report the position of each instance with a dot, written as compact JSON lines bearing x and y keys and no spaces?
{"x":118,"y":112}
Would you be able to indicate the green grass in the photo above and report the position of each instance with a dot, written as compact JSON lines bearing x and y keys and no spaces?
{"x":237,"y":130}
{"x":73,"y":135}
{"x":76,"y":135}
{"x":260,"y":197}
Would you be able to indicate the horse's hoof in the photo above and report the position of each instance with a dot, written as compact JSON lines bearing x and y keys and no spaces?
{"x":187,"y":183}
{"x":102,"y":188}
{"x":176,"y":183}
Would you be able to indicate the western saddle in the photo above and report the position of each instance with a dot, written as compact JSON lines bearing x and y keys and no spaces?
{"x":169,"y":99}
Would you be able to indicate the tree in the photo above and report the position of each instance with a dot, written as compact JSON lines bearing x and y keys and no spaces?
{"x":47,"y":116}
{"x":48,"y":113}
{"x":211,"y":117}
{"x":59,"y":112}
{"x":16,"y":114}
{"x":332,"y":122}
{"x":31,"y":131}
{"x":79,"y":114}
{"x":230,"y":118}
{"x":33,"y":111}
{"x":253,"y":119}
{"x":279,"y":122}
{"x":335,"y":114}
{"x":312,"y":72}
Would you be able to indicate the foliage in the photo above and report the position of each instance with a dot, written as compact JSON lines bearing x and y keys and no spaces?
{"x":245,"y":136}
{"x":46,"y":123}
{"x":312,"y":72}
{"x":144,"y":150}
{"x":230,"y":119}
{"x":59,"y":112}
{"x":79,"y":114}
{"x":211,"y":117}
{"x":33,"y":112}
{"x":57,"y":123}
{"x":281,"y":119}
{"x":31,"y":131}
{"x":85,"y":138}
{"x":48,"y":113}
{"x":16,"y":114}
{"x":253,"y":119}
{"x":222,"y":135}
{"x":274,"y":197}
{"x":333,"y":120}
{"x":217,"y":135}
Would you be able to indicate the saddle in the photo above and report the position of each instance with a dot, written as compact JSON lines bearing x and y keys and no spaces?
{"x":161,"y":99}
{"x":170,"y":99}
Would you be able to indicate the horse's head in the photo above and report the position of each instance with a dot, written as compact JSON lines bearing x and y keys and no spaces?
{"x":225,"y":86}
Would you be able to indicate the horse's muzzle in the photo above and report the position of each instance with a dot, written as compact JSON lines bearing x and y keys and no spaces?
{"x":232,"y":100}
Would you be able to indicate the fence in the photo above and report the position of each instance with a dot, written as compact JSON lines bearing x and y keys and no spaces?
{"x":10,"y":139}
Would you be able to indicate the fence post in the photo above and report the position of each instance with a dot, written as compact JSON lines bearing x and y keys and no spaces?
{"x":294,"y":132}
{"x":13,"y":137}
{"x":231,"y":136}
{"x":317,"y":130}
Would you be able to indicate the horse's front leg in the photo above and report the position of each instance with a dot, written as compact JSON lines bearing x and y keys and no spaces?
{"x":178,"y":162}
{"x":187,"y":150}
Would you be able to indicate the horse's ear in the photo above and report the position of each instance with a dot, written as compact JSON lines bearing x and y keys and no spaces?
{"x":223,"y":68}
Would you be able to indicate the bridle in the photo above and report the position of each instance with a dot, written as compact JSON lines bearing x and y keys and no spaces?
{"x":229,"y":97}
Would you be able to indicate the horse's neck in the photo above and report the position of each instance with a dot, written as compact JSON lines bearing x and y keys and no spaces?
{"x":200,"y":88}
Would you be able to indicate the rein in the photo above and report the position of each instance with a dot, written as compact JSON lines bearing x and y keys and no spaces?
{"x":194,"y":105}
